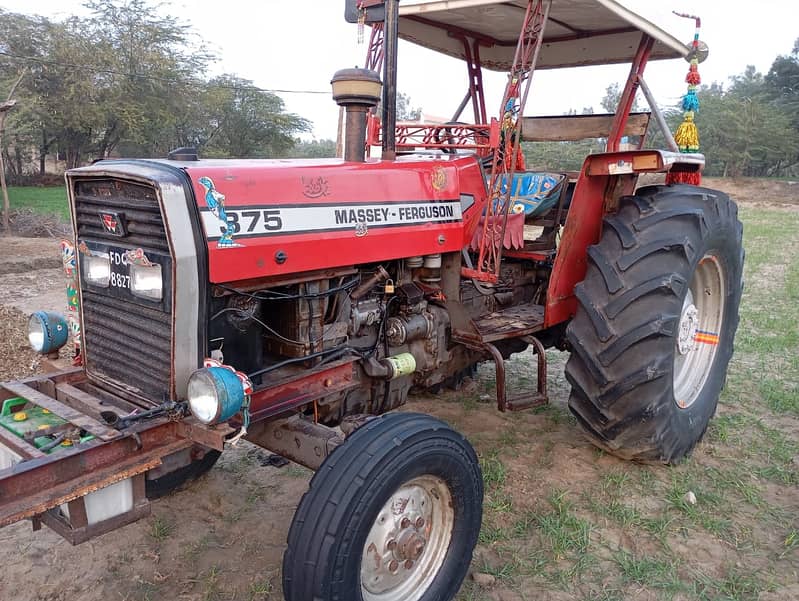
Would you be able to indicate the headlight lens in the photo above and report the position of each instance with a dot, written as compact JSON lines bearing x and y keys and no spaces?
{"x":97,"y":269}
{"x":215,"y":394}
{"x":47,"y":332}
{"x":146,"y":281}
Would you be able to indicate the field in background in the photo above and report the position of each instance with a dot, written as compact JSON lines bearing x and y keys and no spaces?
{"x":50,"y":200}
{"x":563,"y":521}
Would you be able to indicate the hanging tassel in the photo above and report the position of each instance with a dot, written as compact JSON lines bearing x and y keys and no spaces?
{"x":684,"y":177}
{"x":687,"y":136}
{"x":690,"y":102}
{"x":693,"y":77}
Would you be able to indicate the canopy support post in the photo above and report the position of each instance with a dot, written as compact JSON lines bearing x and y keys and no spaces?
{"x":628,"y":94}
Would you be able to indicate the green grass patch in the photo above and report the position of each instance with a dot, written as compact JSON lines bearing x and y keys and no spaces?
{"x":45,"y":200}
{"x":564,"y":531}
{"x":653,"y":572}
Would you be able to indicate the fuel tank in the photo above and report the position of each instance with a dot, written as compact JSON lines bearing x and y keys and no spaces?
{"x":274,"y":217}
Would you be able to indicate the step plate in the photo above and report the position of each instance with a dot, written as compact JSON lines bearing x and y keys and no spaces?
{"x":510,"y":323}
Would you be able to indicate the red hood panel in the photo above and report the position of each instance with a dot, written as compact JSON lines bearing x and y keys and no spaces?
{"x":267,"y":218}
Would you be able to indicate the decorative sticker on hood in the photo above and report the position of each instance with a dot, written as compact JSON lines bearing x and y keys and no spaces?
{"x":215,"y":201}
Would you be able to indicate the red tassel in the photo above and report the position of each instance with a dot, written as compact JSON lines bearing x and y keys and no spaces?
{"x":693,"y":178}
{"x":693,"y":78}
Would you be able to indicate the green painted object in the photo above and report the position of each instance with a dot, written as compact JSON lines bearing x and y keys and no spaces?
{"x":20,"y":417}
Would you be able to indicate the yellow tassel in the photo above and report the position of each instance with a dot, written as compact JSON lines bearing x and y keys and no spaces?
{"x":687,"y":136}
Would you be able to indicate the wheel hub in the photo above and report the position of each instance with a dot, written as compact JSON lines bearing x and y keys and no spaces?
{"x":408,"y":542}
{"x":689,"y":324}
{"x":699,"y":331}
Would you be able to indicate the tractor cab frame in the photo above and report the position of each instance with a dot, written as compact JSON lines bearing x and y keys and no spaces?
{"x":485,"y":34}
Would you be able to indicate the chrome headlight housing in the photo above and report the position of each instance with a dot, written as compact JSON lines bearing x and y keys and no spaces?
{"x":146,"y":281}
{"x":97,"y":269}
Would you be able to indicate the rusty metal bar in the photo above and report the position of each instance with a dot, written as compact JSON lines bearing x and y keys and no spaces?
{"x":540,"y":397}
{"x":499,"y":364}
{"x":76,"y":535}
{"x":34,"y":486}
{"x":294,"y":392}
{"x":18,"y":445}
{"x":63,"y":411}
{"x":83,"y":401}
{"x":390,"y":41}
{"x":295,"y":438}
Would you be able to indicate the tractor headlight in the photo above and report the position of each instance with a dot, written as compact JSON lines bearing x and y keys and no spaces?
{"x":146,"y":281}
{"x":47,"y":332}
{"x":215,"y":394}
{"x":97,"y":269}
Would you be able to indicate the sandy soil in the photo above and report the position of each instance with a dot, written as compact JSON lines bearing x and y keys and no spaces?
{"x":222,"y":538}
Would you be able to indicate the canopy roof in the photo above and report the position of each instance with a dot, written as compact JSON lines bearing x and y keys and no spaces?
{"x":578,"y":32}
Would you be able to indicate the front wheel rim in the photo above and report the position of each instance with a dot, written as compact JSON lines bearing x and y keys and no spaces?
{"x":699,"y":331}
{"x":408,"y":542}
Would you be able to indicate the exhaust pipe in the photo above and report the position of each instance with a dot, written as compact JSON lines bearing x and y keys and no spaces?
{"x":357,"y":90}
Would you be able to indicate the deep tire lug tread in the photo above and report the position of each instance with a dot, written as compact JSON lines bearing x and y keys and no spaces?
{"x":609,"y":274}
{"x":634,"y":285}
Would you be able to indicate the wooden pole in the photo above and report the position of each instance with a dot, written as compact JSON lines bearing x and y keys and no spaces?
{"x":4,"y":110}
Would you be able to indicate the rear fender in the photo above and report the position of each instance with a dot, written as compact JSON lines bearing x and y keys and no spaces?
{"x":604,"y":178}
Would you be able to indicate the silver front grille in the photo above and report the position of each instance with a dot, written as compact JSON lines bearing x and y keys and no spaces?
{"x":126,"y":342}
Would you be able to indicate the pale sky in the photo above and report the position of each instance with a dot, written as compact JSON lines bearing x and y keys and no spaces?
{"x":299,"y":44}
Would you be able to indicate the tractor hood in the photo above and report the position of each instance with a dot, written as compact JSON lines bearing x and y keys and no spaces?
{"x":264,"y":218}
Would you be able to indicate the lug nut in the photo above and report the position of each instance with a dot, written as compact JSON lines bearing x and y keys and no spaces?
{"x":393,"y":566}
{"x":420,"y":522}
{"x":405,"y":523}
{"x":408,"y":564}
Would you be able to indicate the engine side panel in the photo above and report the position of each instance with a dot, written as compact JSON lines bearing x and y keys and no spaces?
{"x":270,"y":218}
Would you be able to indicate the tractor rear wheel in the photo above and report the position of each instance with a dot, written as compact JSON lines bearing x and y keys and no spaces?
{"x":393,"y":514}
{"x":655,"y":323}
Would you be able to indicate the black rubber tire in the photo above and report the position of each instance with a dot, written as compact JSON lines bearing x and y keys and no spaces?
{"x":623,"y":336}
{"x":326,"y":539}
{"x":168,"y":483}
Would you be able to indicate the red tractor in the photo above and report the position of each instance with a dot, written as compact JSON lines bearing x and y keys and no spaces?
{"x":296,"y":304}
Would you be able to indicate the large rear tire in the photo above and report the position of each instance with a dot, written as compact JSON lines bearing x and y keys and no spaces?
{"x":392,"y":515}
{"x":657,"y":315}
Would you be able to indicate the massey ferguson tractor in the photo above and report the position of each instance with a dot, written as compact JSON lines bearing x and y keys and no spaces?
{"x":297,"y":304}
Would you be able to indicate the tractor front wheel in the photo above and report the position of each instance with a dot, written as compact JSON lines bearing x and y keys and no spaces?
{"x":393,"y":514}
{"x":655,"y":324}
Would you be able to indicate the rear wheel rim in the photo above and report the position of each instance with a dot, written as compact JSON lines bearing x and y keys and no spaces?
{"x":699,"y":331}
{"x":408,"y":542}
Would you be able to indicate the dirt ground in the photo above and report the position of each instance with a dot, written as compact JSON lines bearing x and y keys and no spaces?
{"x":562,"y":520}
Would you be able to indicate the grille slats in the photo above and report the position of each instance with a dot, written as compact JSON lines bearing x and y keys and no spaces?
{"x":153,"y":343}
{"x":125,"y":341}
{"x":138,"y":203}
{"x":109,"y":306}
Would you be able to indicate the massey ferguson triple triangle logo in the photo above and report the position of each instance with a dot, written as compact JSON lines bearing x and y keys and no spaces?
{"x":114,"y":223}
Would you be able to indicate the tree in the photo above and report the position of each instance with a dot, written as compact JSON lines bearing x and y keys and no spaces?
{"x":405,"y":112}
{"x":612,"y":97}
{"x":5,"y":108}
{"x":742,"y":131}
{"x":314,"y":149}
{"x":130,"y":80}
{"x":247,"y":122}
